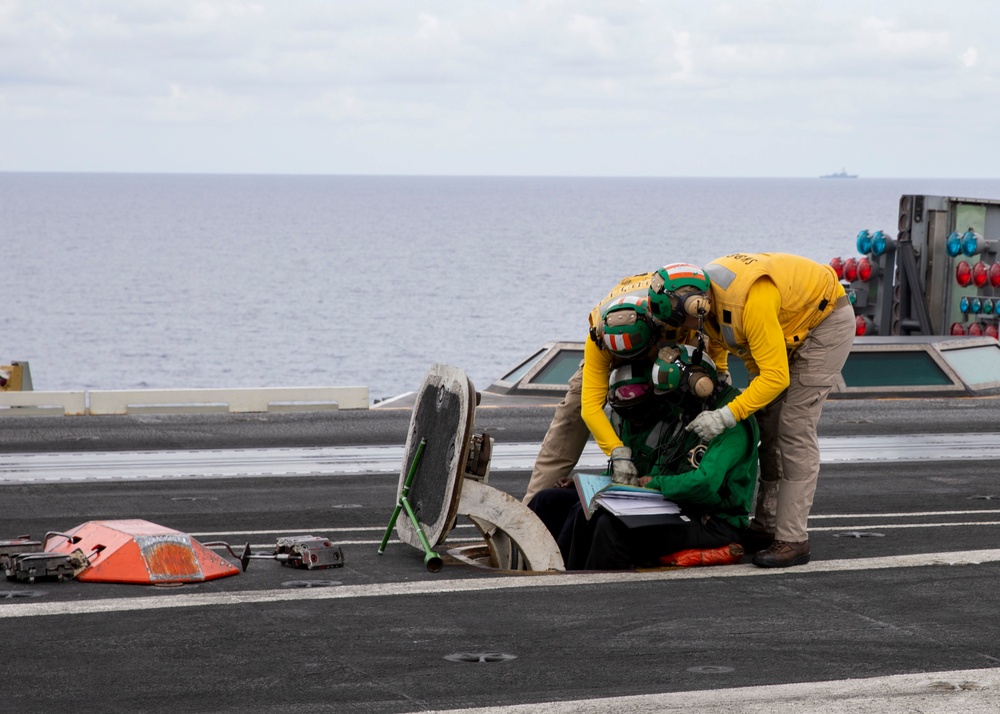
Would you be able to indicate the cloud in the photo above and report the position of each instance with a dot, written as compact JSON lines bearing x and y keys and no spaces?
{"x":530,"y":87}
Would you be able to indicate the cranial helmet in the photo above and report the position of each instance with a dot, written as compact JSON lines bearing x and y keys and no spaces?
{"x":625,"y":329}
{"x":679,"y":369}
{"x":630,"y":392}
{"x":677,"y":291}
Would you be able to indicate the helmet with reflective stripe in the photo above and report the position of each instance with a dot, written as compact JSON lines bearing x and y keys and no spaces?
{"x":630,"y":393}
{"x":679,"y":369}
{"x":678,"y":291}
{"x":626,"y":330}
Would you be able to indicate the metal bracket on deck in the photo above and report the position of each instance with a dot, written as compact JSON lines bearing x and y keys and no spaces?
{"x":304,"y":551}
{"x":59,"y":566}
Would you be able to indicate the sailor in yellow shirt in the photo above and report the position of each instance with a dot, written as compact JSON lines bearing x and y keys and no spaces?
{"x":789,"y":319}
{"x":632,"y":336}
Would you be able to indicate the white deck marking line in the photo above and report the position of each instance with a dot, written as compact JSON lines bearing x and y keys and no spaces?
{"x":876,"y":526}
{"x":260,"y":548}
{"x":866,"y":527}
{"x":287,"y":531}
{"x":87,"y":466}
{"x":915,"y":514}
{"x":973,"y":691}
{"x":506,"y":582}
{"x":381,"y":529}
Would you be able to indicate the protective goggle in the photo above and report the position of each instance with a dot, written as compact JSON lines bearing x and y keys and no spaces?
{"x":625,"y":394}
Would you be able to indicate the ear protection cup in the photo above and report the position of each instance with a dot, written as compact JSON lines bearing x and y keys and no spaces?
{"x":692,"y":302}
{"x":700,"y":384}
{"x":697,"y":305}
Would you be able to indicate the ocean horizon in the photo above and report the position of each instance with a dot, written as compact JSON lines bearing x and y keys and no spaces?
{"x":129,"y":281}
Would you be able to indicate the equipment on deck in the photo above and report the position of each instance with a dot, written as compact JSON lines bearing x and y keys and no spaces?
{"x":60,"y":566}
{"x":444,"y":475}
{"x":16,"y":546}
{"x":302,"y":551}
{"x":24,"y":559}
{"x":137,"y":551}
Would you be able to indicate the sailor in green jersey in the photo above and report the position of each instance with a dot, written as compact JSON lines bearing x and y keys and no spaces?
{"x":713,"y":484}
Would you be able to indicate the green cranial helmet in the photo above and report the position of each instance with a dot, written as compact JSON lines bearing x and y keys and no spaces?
{"x":626,"y":330}
{"x":630,"y":392}
{"x":678,"y":291}
{"x":680,"y":369}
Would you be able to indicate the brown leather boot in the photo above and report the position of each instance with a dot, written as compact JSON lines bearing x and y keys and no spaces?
{"x":783,"y":554}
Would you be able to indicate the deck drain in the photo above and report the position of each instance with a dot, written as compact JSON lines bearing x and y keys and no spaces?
{"x":710,"y":669}
{"x":984,"y":498}
{"x":486,"y":657}
{"x":194,"y":498}
{"x":346,"y":505}
{"x":310,"y":583}
{"x":12,"y":594}
{"x":859,"y":534}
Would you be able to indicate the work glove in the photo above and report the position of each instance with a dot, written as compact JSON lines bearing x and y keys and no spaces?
{"x":709,"y":425}
{"x":623,"y":471}
{"x":725,"y":378}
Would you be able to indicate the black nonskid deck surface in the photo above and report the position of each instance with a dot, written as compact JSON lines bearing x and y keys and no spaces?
{"x":382,"y":634}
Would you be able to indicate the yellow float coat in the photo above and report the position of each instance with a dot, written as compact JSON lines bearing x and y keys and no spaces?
{"x":763,"y":307}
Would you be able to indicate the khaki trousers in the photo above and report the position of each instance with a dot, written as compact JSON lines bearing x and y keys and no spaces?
{"x":563,"y":442}
{"x":789,"y":445}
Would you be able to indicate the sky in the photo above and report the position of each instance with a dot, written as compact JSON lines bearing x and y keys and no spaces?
{"x":768,"y":88}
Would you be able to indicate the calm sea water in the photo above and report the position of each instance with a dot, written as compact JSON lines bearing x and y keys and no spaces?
{"x":156,"y":281}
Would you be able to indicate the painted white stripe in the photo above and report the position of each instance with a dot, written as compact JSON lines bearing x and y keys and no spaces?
{"x":173,"y":599}
{"x":67,"y":467}
{"x":381,"y":529}
{"x":263,"y":548}
{"x":863,"y":527}
{"x":915,"y":514}
{"x":971,"y":691}
{"x":886,"y":526}
{"x":322,"y":529}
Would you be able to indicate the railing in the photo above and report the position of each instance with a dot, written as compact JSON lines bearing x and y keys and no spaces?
{"x":167,"y":401}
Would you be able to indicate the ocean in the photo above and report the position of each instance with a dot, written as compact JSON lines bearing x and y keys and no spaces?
{"x":118,"y":281}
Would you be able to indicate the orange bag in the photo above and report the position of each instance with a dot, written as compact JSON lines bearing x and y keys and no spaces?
{"x":724,"y":555}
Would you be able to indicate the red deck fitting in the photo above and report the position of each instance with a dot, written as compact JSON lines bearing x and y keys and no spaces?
{"x":137,"y":551}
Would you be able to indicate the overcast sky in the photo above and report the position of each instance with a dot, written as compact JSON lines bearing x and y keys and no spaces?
{"x":621,"y":88}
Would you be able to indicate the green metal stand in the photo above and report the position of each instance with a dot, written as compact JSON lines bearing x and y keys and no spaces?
{"x":431,"y":559}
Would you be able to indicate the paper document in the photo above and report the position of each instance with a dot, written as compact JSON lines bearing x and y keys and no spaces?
{"x":598,"y":491}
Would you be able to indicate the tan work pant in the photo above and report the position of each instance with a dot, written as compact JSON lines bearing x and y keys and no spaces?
{"x":563,"y":442}
{"x":789,"y":444}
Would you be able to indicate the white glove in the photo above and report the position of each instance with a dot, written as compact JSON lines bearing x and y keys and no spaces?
{"x":709,"y":425}
{"x":725,"y":378}
{"x":622,"y":469}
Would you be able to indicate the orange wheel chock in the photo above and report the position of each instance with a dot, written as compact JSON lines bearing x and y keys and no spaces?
{"x":137,"y":551}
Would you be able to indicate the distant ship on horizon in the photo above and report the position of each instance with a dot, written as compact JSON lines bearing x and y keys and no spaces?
{"x":842,"y":174}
